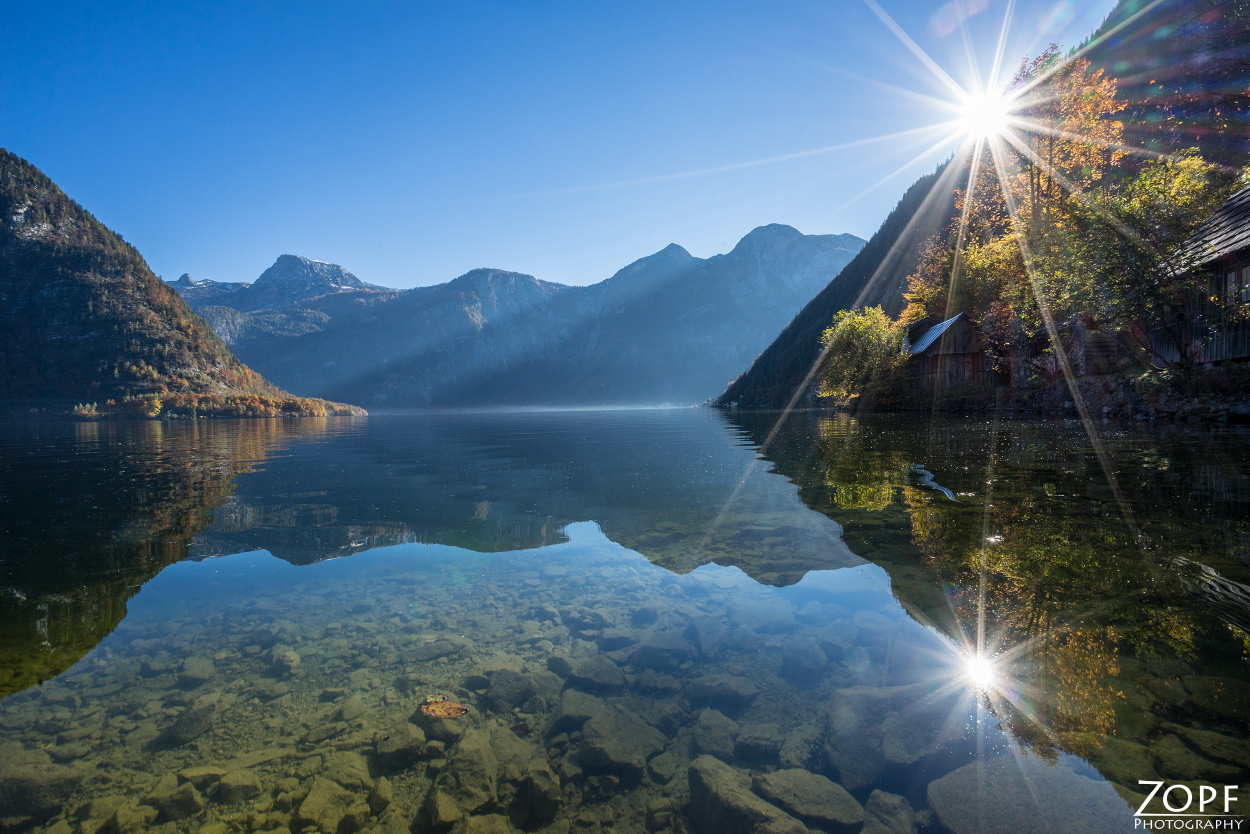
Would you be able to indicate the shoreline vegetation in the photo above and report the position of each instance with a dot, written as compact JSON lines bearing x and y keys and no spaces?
{"x":1073,"y":278}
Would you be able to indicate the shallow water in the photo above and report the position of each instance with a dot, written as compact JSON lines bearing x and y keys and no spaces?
{"x":655,"y":624}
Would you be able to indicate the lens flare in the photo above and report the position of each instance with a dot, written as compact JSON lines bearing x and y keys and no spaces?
{"x":985,"y":115}
{"x":980,"y":671}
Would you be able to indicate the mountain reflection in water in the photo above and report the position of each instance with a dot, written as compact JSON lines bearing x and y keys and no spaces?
{"x":815,"y":608}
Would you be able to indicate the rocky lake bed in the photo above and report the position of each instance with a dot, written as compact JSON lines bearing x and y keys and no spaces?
{"x":604,"y":695}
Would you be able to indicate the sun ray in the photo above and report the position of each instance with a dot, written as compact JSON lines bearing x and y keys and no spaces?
{"x":898,"y":31}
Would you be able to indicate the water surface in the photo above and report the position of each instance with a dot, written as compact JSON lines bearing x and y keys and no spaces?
{"x":657,"y":623}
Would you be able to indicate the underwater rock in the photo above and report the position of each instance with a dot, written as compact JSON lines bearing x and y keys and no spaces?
{"x":887,"y":813}
{"x":1225,"y":697}
{"x":1010,"y":794}
{"x":575,"y":709}
{"x":811,"y":798}
{"x":439,"y":811}
{"x":801,"y":746}
{"x":1119,"y":761}
{"x":714,"y":734}
{"x":721,"y":802}
{"x":128,"y":818}
{"x":182,"y":802}
{"x":325,"y":806}
{"x":597,"y":673}
{"x":426,"y":652}
{"x":399,"y":746}
{"x":381,"y":796}
{"x":759,"y":743}
{"x":1178,"y":761}
{"x":1218,"y":746}
{"x":869,"y":726}
{"x":31,"y":786}
{"x":351,"y":709}
{"x":662,"y":651}
{"x":663,"y":767}
{"x":195,"y":720}
{"x":201,"y":776}
{"x":472,"y":773}
{"x":727,"y":692}
{"x":347,"y":769}
{"x":543,"y":789}
{"x":196,"y":671}
{"x":615,"y":639}
{"x":238,"y":786}
{"x":619,"y":740}
{"x":510,"y":689}
{"x":803,"y":664}
{"x":559,"y":665}
{"x":283,"y":660}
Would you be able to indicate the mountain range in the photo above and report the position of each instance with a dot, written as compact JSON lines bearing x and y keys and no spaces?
{"x":669,"y":327}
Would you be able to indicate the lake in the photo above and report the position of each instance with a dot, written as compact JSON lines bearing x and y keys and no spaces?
{"x":668,"y":620}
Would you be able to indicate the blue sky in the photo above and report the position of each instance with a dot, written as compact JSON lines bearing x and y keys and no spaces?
{"x":412,"y":142}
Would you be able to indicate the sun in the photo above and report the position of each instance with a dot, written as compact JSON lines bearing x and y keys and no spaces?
{"x":980,"y":671}
{"x":984,"y":115}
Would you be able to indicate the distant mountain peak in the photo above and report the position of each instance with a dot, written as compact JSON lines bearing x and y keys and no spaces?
{"x":185,"y":280}
{"x":293,"y":270}
{"x":773,"y":234}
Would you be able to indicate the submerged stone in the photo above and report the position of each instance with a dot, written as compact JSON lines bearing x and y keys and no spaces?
{"x":31,"y":786}
{"x":619,"y":740}
{"x":721,"y":802}
{"x":597,"y":673}
{"x":1017,"y":795}
{"x":812,"y":797}
{"x":324,"y":807}
{"x":239,"y":786}
{"x":714,"y":734}
{"x":886,"y":813}
{"x":195,"y":720}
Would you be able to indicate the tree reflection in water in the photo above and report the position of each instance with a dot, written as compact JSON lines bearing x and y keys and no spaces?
{"x":1102,"y":642}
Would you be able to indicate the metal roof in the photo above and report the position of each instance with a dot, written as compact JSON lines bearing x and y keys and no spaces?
{"x":1227,"y":232}
{"x":934,"y":333}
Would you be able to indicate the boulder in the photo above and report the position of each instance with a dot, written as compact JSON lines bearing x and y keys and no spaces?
{"x":759,"y":743}
{"x":31,"y":786}
{"x":195,"y":720}
{"x":721,"y":802}
{"x":509,"y":689}
{"x":543,"y":790}
{"x":1026,"y":796}
{"x":324,"y":807}
{"x":472,"y":773}
{"x":714,"y":735}
{"x":619,"y":740}
{"x":597,"y":674}
{"x":351,"y":709}
{"x":381,"y":796}
{"x":1225,"y":697}
{"x":239,"y":786}
{"x":724,"y":692}
{"x":196,"y":671}
{"x":887,"y":813}
{"x":803,"y":664}
{"x":347,"y":769}
{"x":399,"y":746}
{"x":439,"y":811}
{"x":182,"y":802}
{"x":575,"y":709}
{"x":283,"y":660}
{"x":661,"y":651}
{"x":812,"y":798}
